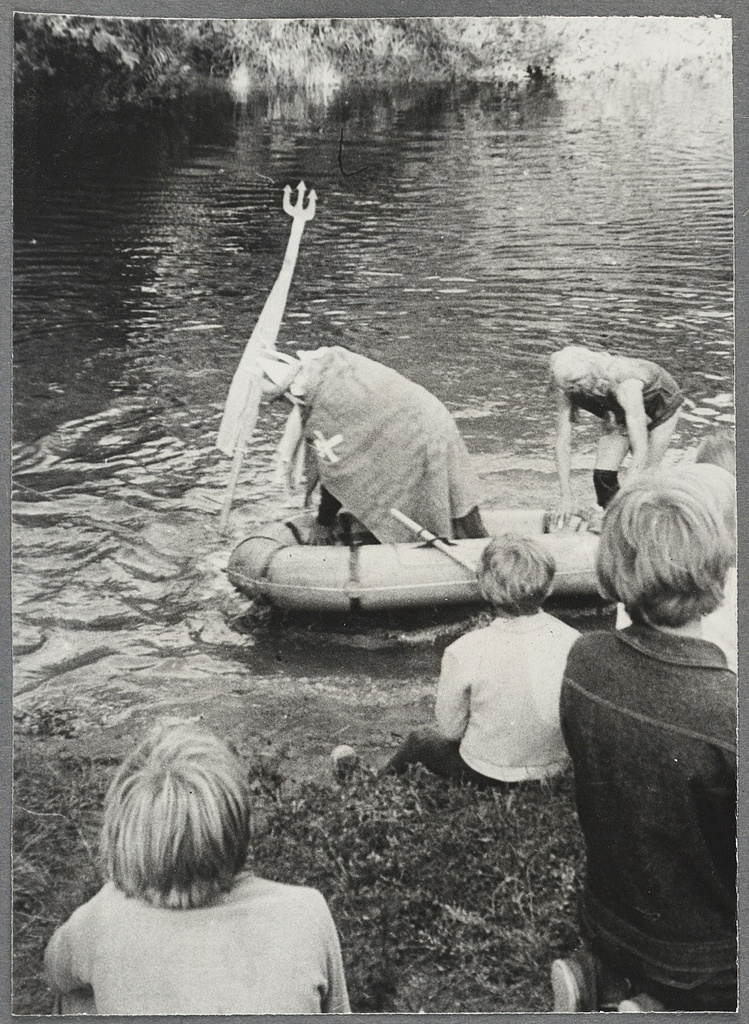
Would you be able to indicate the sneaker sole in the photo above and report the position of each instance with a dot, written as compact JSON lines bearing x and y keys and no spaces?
{"x":565,"y":988}
{"x":640,"y":1004}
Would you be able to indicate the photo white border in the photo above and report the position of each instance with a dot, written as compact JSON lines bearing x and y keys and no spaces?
{"x":738,"y":11}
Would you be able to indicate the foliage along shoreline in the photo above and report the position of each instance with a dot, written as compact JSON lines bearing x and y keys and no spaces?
{"x":108,"y":63}
{"x":82,"y":79}
{"x":120,"y":61}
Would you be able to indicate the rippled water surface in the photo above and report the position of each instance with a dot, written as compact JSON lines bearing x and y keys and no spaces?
{"x":460,"y":237}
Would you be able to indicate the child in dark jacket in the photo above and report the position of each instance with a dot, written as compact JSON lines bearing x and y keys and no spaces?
{"x":649,"y":717}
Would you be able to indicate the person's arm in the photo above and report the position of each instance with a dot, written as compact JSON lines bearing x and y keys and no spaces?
{"x":563,"y":450}
{"x":453,"y":703}
{"x":629,"y":397}
{"x":65,"y":958}
{"x":335,"y":998}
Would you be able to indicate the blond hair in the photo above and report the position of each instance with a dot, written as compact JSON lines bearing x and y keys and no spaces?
{"x":718,"y":449}
{"x":664,"y":552}
{"x":711,"y":484}
{"x":515,"y":574}
{"x":575,"y":368}
{"x":177,"y":819}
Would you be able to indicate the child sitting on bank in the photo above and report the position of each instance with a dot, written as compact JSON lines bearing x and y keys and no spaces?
{"x":711,"y":478}
{"x":498,"y":693}
{"x":649,"y":717}
{"x":181,"y":926}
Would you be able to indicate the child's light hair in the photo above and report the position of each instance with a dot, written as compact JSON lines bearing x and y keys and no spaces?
{"x":592,"y":371}
{"x":575,"y":368}
{"x":719,"y":449}
{"x":515,"y":574}
{"x":177,"y":819}
{"x":712,"y":484}
{"x":664,"y":551}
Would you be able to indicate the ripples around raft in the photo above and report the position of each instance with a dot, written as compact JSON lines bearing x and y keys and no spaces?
{"x":485,"y":231}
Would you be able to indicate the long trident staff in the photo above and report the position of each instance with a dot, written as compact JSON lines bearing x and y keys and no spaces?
{"x":243,"y":402}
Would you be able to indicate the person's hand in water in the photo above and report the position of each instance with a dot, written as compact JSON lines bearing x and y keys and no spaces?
{"x":561,"y":514}
{"x":576,"y":520}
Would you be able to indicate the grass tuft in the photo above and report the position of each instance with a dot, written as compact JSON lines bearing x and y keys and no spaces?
{"x":446,"y":898}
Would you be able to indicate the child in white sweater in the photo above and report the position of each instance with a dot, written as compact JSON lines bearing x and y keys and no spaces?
{"x":181,"y":927}
{"x":498,"y":694}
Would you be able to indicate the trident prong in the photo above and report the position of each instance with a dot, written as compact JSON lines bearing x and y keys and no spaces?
{"x":298,"y":210}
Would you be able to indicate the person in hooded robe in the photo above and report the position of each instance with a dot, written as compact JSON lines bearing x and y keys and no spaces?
{"x":373,"y":440}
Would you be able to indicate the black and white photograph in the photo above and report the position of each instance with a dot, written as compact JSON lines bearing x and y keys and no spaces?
{"x":374,"y":520}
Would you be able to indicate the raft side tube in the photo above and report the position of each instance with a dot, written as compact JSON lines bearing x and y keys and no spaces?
{"x":527,"y":521}
{"x":381,"y":576}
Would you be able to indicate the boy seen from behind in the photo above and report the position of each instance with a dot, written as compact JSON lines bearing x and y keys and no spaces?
{"x":497,"y":703}
{"x":649,"y":717}
{"x":181,"y":925}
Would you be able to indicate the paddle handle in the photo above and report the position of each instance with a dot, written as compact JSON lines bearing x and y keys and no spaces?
{"x":432,"y":539}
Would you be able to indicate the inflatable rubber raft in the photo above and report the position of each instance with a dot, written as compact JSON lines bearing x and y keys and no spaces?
{"x":276,"y":565}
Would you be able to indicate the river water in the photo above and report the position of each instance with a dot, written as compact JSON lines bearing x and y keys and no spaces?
{"x":461,"y":236}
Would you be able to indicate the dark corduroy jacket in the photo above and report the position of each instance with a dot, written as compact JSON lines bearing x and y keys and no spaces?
{"x":649,"y":719}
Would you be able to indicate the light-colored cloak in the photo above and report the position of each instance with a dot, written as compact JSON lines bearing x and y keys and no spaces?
{"x":382,"y":441}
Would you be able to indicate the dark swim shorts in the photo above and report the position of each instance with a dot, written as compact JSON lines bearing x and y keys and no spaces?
{"x":662,"y":398}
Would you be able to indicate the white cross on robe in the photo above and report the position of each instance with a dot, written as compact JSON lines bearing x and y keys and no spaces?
{"x":325,"y":448}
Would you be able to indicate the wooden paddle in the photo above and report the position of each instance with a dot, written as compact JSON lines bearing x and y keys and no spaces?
{"x":242,"y":404}
{"x":432,"y":540}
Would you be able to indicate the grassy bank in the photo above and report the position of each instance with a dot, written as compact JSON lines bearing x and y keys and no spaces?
{"x":446,"y":899}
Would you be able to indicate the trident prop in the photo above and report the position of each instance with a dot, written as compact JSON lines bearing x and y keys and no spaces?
{"x":243,"y":402}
